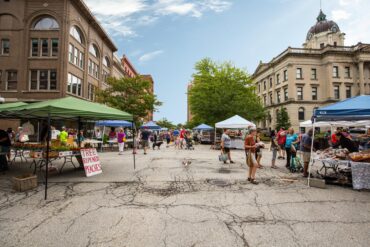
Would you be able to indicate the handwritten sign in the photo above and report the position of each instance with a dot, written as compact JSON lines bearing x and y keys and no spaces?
{"x":65,"y":153}
{"x":91,"y":161}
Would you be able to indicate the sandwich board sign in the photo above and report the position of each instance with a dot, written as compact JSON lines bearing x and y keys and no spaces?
{"x":91,"y":161}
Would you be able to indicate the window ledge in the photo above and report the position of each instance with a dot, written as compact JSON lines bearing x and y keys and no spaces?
{"x":76,"y":66}
{"x":314,"y":79}
{"x":4,"y":55}
{"x":40,"y":91}
{"x":300,"y":78}
{"x":43,"y":58}
{"x":9,"y":91}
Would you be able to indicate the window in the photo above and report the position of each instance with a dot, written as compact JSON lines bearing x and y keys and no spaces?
{"x":5,"y":47}
{"x":278,"y":99}
{"x":91,"y":92}
{"x":336,"y":92}
{"x":1,"y":76}
{"x":314,"y":93}
{"x":34,"y":48}
{"x":277,"y":79}
{"x":105,"y":76}
{"x":259,"y":87}
{"x":93,"y":50}
{"x":301,"y":114}
{"x":70,"y":53}
{"x":264,"y":85}
{"x":335,"y":72}
{"x":93,"y":69}
{"x":74,"y":85}
{"x":285,"y":94}
{"x":285,"y":75}
{"x":82,"y":62}
{"x":347,"y":72}
{"x":322,"y":45}
{"x":300,"y":93}
{"x":270,"y":82}
{"x":335,"y":44}
{"x":106,"y":62}
{"x":299,"y":73}
{"x":46,"y":23}
{"x":76,"y":56}
{"x":271,"y":101}
{"x":11,"y":80}
{"x":313,"y":74}
{"x":348,"y":92}
{"x":75,"y":32}
{"x":264,"y":100}
{"x":43,"y":80}
{"x":54,"y":47}
{"x":44,"y":48}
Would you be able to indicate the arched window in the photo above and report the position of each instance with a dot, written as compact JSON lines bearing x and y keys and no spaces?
{"x":106,"y":62}
{"x":75,"y":32}
{"x":94,"y":50}
{"x":301,"y":113}
{"x":46,"y":23}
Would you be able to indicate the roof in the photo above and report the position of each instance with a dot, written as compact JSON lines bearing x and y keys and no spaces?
{"x":92,"y":20}
{"x":68,"y":107}
{"x":150,"y":125}
{"x":203,"y":127}
{"x":126,"y":61}
{"x":356,"y":108}
{"x":322,"y":25}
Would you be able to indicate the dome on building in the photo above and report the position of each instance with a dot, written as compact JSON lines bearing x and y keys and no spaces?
{"x":322,"y":25}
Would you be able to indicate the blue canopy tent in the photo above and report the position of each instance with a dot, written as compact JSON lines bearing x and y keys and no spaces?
{"x":355,"y":109}
{"x":114,"y":123}
{"x":203,"y":127}
{"x":151,"y":125}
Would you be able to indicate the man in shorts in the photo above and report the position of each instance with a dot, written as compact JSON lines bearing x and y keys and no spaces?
{"x":145,"y":134}
{"x":226,"y":145}
{"x":305,"y":148}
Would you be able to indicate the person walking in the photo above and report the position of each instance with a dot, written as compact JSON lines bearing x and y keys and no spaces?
{"x":144,"y":136}
{"x":281,"y":138}
{"x":5,"y":144}
{"x":168,"y":138}
{"x":259,"y":149}
{"x":250,"y":151}
{"x":226,"y":145}
{"x":274,"y":148}
{"x":121,"y":138}
{"x":290,"y":146}
{"x":305,"y":148}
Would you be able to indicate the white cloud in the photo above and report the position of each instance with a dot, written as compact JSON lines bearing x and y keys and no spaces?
{"x":122,"y":17}
{"x":149,"y":56}
{"x":340,"y":14}
{"x":116,"y":7}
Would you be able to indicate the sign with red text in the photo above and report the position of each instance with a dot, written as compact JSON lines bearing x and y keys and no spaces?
{"x":91,"y":161}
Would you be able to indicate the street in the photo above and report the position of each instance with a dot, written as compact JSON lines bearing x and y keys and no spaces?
{"x":164,"y":203}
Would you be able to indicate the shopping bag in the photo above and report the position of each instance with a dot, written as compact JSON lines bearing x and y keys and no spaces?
{"x":222,"y":157}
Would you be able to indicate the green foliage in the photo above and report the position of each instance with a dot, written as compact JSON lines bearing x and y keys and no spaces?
{"x":129,"y":95}
{"x":282,"y":119}
{"x":220,"y":91}
{"x":164,"y":123}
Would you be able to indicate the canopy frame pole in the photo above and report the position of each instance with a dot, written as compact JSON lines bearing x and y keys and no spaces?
{"x":134,"y":143}
{"x":102,"y":139}
{"x":214,"y":141}
{"x":47,"y":157}
{"x":79,"y":132}
{"x":311,"y":158}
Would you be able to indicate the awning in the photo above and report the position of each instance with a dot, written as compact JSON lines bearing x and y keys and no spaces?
{"x":235,"y":122}
{"x":203,"y":127}
{"x":151,"y":125}
{"x":114,"y":123}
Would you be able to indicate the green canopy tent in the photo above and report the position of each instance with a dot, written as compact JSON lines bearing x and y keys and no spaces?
{"x":63,"y":108}
{"x":8,"y":106}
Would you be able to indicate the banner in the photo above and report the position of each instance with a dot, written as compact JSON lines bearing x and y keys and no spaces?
{"x":91,"y":161}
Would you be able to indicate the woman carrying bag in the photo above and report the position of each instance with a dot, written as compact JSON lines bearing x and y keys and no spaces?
{"x":250,"y":151}
{"x":225,"y":147}
{"x":291,"y":145}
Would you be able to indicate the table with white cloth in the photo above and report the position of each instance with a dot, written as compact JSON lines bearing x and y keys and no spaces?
{"x":93,"y":142}
{"x":330,"y":164}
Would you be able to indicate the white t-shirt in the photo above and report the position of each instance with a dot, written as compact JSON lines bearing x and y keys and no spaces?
{"x":227,"y":140}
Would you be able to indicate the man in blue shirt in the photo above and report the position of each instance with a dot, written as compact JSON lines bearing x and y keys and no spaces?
{"x":305,"y":148}
{"x":290,"y":146}
{"x":145,"y":138}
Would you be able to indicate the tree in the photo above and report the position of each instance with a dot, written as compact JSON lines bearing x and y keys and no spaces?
{"x":164,"y":123}
{"x":220,"y":91}
{"x":282,"y":119}
{"x":129,"y":95}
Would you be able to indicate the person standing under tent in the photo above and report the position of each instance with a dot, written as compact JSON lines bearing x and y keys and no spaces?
{"x":250,"y":151}
{"x":291,"y":146}
{"x":5,"y":144}
{"x":112,"y":135}
{"x":121,"y":139}
{"x":305,"y":147}
{"x":63,"y":136}
{"x":98,"y":137}
{"x":274,"y":148}
{"x":144,"y":136}
{"x":281,"y":138}
{"x":226,"y":145}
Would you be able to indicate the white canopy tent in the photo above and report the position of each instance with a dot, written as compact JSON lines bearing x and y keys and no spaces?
{"x":357,"y":123}
{"x":235,"y":122}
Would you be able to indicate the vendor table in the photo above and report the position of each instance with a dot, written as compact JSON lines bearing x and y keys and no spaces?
{"x":19,"y":153}
{"x":330,"y":164}
{"x":93,"y":142}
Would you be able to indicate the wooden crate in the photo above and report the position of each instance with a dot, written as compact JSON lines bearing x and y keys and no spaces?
{"x":24,"y":182}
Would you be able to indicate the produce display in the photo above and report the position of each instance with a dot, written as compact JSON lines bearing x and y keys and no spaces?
{"x":331,"y":153}
{"x":360,"y":156}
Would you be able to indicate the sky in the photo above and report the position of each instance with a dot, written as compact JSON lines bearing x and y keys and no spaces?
{"x":165,"y":38}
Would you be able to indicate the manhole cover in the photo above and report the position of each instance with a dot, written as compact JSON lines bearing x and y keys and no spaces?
{"x":218,"y":182}
{"x":224,"y":170}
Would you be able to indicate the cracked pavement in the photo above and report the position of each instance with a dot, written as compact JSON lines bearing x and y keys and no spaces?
{"x":163,"y":203}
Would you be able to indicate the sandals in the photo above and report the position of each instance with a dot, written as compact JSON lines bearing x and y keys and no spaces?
{"x":253,"y":181}
{"x":274,"y":167}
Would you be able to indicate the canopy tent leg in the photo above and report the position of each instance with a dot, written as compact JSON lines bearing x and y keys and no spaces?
{"x":311,"y":159}
{"x":47,"y":157}
{"x":102,"y":139}
{"x":134,"y":143}
{"x":79,"y":132}
{"x":214,"y":139}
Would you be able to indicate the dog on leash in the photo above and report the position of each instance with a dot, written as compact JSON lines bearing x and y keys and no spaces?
{"x":157,"y":144}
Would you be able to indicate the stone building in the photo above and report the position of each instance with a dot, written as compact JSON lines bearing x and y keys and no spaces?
{"x":324,"y":71}
{"x":52,"y":49}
